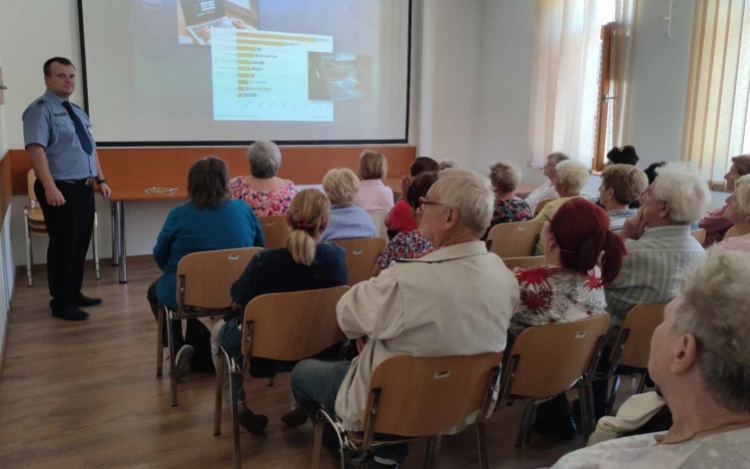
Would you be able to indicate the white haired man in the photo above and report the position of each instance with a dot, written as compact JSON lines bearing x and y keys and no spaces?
{"x":456,"y":300}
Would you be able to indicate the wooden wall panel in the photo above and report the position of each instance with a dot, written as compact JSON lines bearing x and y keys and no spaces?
{"x":141,"y":168}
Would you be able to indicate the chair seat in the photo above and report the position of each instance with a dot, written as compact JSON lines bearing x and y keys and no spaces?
{"x":38,"y":232}
{"x":359,"y":437}
{"x":36,"y":215}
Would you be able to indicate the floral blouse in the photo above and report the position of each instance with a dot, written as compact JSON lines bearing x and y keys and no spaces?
{"x":552,"y":295}
{"x":405,"y":245}
{"x":264,"y":203}
{"x":510,"y":211}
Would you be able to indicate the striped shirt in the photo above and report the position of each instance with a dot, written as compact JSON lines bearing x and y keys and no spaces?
{"x":651,"y":271}
{"x":617,"y":218}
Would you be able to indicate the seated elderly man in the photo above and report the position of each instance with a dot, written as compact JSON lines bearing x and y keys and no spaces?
{"x":700,"y":359}
{"x":457,"y":300}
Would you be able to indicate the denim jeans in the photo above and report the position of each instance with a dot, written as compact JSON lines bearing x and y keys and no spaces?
{"x":316,"y":384}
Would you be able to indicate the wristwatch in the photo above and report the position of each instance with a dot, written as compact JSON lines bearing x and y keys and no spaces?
{"x":101,"y":181}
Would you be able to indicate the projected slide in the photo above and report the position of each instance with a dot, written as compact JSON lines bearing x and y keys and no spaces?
{"x":263,"y":76}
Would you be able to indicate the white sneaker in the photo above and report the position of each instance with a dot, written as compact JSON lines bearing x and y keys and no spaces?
{"x":182,"y":361}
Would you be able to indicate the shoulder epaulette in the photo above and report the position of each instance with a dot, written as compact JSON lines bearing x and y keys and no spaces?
{"x":41,"y":102}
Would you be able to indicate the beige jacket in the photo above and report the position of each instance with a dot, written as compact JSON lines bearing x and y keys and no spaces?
{"x":457,"y":300}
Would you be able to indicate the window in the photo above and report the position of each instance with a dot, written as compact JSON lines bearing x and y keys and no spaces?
{"x":716,"y":121}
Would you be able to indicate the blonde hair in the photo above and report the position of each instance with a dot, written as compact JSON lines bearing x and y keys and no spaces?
{"x":308,"y":214}
{"x":572,"y":173}
{"x":373,"y":165}
{"x":742,"y":194}
{"x":627,"y":181}
{"x":505,"y":176}
{"x":341,"y":186}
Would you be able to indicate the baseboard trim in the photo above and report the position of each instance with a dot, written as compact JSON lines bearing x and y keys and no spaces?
{"x":103,"y":264}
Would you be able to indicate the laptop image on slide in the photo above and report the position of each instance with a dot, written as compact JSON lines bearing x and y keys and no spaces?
{"x":343,"y":74}
{"x":202,"y":15}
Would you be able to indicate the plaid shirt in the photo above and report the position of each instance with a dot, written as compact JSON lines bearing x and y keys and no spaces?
{"x":651,"y":270}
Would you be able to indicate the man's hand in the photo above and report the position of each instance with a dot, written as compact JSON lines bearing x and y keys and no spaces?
{"x":105,"y":190}
{"x":54,"y":197}
{"x":405,"y":182}
{"x":634,"y":227}
{"x":238,"y":23}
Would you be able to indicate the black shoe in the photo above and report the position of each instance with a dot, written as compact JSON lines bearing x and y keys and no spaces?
{"x":294,"y":417}
{"x":252,"y":422}
{"x":70,"y":314}
{"x":562,"y":428}
{"x":84,"y":301}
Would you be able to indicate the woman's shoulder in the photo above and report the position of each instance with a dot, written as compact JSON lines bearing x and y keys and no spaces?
{"x":329,"y":251}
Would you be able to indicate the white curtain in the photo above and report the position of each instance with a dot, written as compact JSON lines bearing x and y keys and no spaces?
{"x":716,"y":121}
{"x":565,"y":79}
{"x":621,"y":67}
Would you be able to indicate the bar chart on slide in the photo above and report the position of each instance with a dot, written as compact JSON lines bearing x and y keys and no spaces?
{"x":263,"y":76}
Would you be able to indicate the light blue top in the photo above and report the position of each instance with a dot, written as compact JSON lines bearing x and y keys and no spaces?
{"x":47,"y":123}
{"x":350,"y":222}
{"x":189,"y":229}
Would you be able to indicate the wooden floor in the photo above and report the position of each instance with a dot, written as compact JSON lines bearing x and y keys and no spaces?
{"x":86,"y":395}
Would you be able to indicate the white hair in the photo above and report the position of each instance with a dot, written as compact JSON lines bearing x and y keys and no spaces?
{"x":714,"y":306}
{"x":265,"y":159}
{"x":469,"y":192}
{"x":572,"y":173}
{"x":742,"y":194}
{"x":681,"y":186}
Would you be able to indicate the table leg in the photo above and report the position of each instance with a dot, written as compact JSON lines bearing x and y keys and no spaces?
{"x":115,"y":236}
{"x":121,"y":239}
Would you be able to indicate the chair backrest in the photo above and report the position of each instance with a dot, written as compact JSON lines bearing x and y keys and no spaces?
{"x":524,"y":262}
{"x":514,"y":239}
{"x":30,"y":180}
{"x":553,"y":357}
{"x":292,"y":326}
{"x":699,"y":235}
{"x":275,"y":231}
{"x":421,"y":396}
{"x":541,"y":205}
{"x":378,"y":218}
{"x":641,"y":321}
{"x":209,"y":275}
{"x":731,"y":232}
{"x":361,"y":255}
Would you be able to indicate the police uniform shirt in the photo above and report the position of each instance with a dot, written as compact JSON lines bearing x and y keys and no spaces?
{"x":47,"y":123}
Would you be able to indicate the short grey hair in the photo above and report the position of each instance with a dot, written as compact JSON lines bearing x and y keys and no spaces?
{"x":505,"y":176}
{"x":265,"y":159}
{"x":714,"y":307}
{"x":469,"y":192}
{"x":558,"y":156}
{"x":341,"y":186}
{"x":684,"y":189}
{"x":742,"y":194}
{"x":574,"y":174}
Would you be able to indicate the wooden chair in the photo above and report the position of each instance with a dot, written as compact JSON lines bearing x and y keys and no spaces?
{"x":203,"y":283}
{"x":514,"y":239}
{"x":275,"y":231}
{"x":546,"y":361}
{"x":361,"y":255}
{"x":699,"y":235}
{"x":34,"y":226}
{"x":731,"y":233}
{"x":279,"y":326}
{"x":524,"y":262}
{"x":541,"y":205}
{"x":378,"y":218}
{"x":413,"y":397}
{"x":633,"y":345}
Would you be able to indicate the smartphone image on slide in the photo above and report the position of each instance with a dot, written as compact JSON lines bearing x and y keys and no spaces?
{"x":196,"y":18}
{"x":338,"y":77}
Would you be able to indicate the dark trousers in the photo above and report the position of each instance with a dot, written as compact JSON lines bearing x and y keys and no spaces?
{"x":69,"y":227}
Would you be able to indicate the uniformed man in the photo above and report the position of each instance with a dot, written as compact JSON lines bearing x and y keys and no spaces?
{"x":62,"y":152}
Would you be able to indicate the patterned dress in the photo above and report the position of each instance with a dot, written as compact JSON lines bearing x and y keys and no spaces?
{"x":552,"y":295}
{"x":511,"y":211}
{"x":264,"y":203}
{"x":405,"y":245}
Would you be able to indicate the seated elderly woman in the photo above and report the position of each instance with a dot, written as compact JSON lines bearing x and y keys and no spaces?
{"x":576,"y":240}
{"x":373,"y":195}
{"x":409,"y":244}
{"x":210,"y":220}
{"x":347,"y":221}
{"x":505,"y":177}
{"x":572,"y":177}
{"x":738,"y":212}
{"x":303,"y":264}
{"x":715,"y":223}
{"x":700,"y":360}
{"x":266,"y":194}
{"x":622,"y":155}
{"x":621,"y":185}
{"x":419,"y":307}
{"x":400,"y":218}
{"x":547,"y":190}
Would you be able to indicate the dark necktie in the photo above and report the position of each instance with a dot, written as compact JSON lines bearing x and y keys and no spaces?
{"x":80,"y":131}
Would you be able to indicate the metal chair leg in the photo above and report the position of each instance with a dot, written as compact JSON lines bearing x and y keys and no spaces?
{"x":95,"y":242}
{"x":159,"y":343}
{"x":318,"y":444}
{"x":530,"y":425}
{"x":613,"y":394}
{"x":28,"y":247}
{"x":642,"y":384}
{"x":219,"y":392}
{"x":525,"y":422}
{"x":583,"y":399}
{"x":433,"y":449}
{"x":482,"y":441}
{"x":235,"y":420}
{"x":172,"y":361}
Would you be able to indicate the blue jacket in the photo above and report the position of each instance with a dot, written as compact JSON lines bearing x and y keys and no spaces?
{"x":188,"y":230}
{"x":350,"y":222}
